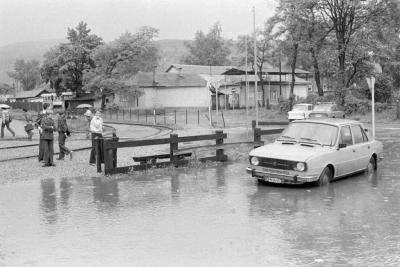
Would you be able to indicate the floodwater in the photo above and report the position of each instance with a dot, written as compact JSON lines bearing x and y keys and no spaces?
{"x":214,"y":215}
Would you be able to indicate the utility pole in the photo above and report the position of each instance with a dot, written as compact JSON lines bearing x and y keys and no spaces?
{"x":255,"y":64}
{"x":247,"y":95}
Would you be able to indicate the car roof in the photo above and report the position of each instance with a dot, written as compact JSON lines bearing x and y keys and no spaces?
{"x":330,"y":121}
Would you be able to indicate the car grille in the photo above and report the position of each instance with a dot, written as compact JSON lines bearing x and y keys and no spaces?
{"x":277,"y":163}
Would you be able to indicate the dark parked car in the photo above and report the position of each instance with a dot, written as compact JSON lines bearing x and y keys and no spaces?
{"x":326,"y":110}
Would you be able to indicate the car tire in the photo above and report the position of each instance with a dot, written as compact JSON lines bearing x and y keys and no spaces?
{"x":372,"y":165}
{"x":325,"y":177}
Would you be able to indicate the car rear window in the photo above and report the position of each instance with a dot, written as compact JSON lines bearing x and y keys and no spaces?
{"x":322,"y":108}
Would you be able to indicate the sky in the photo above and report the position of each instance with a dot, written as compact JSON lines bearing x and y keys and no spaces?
{"x":30,"y":20}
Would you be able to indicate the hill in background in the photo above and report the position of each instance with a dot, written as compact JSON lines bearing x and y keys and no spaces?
{"x":171,"y":51}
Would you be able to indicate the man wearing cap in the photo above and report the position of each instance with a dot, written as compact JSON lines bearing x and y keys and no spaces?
{"x":96,"y":128}
{"x":38,"y":121}
{"x":62,"y":128}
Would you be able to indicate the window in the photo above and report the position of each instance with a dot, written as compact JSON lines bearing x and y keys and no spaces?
{"x":359,"y":134}
{"x":345,"y":136}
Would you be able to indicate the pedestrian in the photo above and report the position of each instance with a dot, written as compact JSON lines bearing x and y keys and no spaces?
{"x":47,"y":127}
{"x":96,"y":129}
{"x":29,"y":124}
{"x":38,"y":122}
{"x":6,"y":119}
{"x":88,"y":115}
{"x":63,"y":132}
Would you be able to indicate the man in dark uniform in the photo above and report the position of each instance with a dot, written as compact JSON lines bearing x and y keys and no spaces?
{"x":47,"y":125}
{"x":62,"y":129}
{"x":38,"y":121}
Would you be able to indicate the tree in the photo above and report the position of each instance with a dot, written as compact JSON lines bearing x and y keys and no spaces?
{"x":208,"y":49}
{"x":64,"y":65}
{"x":27,"y":73}
{"x":122,"y":58}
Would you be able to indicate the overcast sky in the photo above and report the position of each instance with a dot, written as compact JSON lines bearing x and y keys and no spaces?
{"x":27,"y":20}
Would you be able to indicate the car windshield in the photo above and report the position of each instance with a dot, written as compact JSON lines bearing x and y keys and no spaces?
{"x":322,"y":108}
{"x":310,"y":132}
{"x":299,"y":108}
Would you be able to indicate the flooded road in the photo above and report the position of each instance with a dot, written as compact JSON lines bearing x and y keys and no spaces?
{"x":214,"y":215}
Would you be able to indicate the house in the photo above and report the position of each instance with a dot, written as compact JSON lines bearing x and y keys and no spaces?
{"x":150,"y":90}
{"x":275,"y":83}
{"x":31,"y":95}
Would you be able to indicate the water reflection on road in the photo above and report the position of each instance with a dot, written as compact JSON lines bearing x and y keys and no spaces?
{"x":213,"y":215}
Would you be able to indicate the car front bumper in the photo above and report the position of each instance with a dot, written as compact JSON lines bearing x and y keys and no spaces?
{"x":281,"y":178}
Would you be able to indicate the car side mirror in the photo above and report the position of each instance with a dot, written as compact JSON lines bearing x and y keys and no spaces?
{"x":342,"y":146}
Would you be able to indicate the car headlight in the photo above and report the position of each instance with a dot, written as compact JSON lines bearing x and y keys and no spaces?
{"x":254,"y":161}
{"x":300,"y":166}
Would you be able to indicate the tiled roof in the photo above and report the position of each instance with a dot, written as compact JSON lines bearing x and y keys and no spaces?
{"x":31,"y":93}
{"x":199,"y":69}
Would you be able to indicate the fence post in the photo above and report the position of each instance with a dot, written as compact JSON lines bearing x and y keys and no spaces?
{"x":175,"y":116}
{"x":110,"y":153}
{"x":98,"y":154}
{"x":173,"y":145}
{"x":257,"y":137}
{"x":165,"y":119}
{"x":123,"y":114}
{"x":198,"y":117}
{"x":138,"y":115}
{"x":117,"y":113}
{"x":145,"y":111}
{"x":186,"y":116}
{"x":219,"y":153}
{"x":253,"y":124}
{"x":130,"y":114}
{"x":155,"y":118}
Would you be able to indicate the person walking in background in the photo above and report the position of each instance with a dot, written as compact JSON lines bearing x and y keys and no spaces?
{"x":47,"y":125}
{"x":88,"y":115}
{"x":6,"y":121}
{"x":29,"y":124}
{"x":38,"y":122}
{"x":63,"y":132}
{"x":96,"y":129}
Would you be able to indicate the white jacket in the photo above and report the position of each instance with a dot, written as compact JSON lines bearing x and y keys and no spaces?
{"x":96,"y":125}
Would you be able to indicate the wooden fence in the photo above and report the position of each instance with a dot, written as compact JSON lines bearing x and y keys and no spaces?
{"x":176,"y":157}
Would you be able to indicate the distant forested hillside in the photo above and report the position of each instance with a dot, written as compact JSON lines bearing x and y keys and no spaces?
{"x":171,"y":51}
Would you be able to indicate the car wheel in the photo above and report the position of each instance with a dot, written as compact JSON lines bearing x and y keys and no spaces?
{"x":372,"y":165}
{"x":325,"y":177}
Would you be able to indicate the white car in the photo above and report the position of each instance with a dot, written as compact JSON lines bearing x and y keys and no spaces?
{"x":300,"y":112}
{"x":316,"y":150}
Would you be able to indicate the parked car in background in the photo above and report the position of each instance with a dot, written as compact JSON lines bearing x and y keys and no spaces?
{"x":300,"y":112}
{"x":326,"y":109}
{"x":316,"y":151}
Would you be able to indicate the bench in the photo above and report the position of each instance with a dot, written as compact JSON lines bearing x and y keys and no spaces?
{"x":152,"y":159}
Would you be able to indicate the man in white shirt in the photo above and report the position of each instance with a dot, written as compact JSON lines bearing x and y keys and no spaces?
{"x":96,"y":128}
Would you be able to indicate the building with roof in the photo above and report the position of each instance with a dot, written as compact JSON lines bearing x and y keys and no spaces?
{"x":197,"y":69}
{"x":151,"y":89}
{"x":31,"y":95}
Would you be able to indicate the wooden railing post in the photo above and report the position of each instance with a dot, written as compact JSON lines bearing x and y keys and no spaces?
{"x":173,"y":145}
{"x":110,"y":154}
{"x":257,"y":137}
{"x":219,"y":153}
{"x":253,"y":124}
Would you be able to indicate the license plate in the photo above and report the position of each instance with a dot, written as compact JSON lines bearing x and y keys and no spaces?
{"x":273,"y":180}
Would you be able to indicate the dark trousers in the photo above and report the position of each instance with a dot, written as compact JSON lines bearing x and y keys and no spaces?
{"x":48,"y":151}
{"x":41,"y":149}
{"x":61,"y":143}
{"x":6,"y":124}
{"x":93,"y":151}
